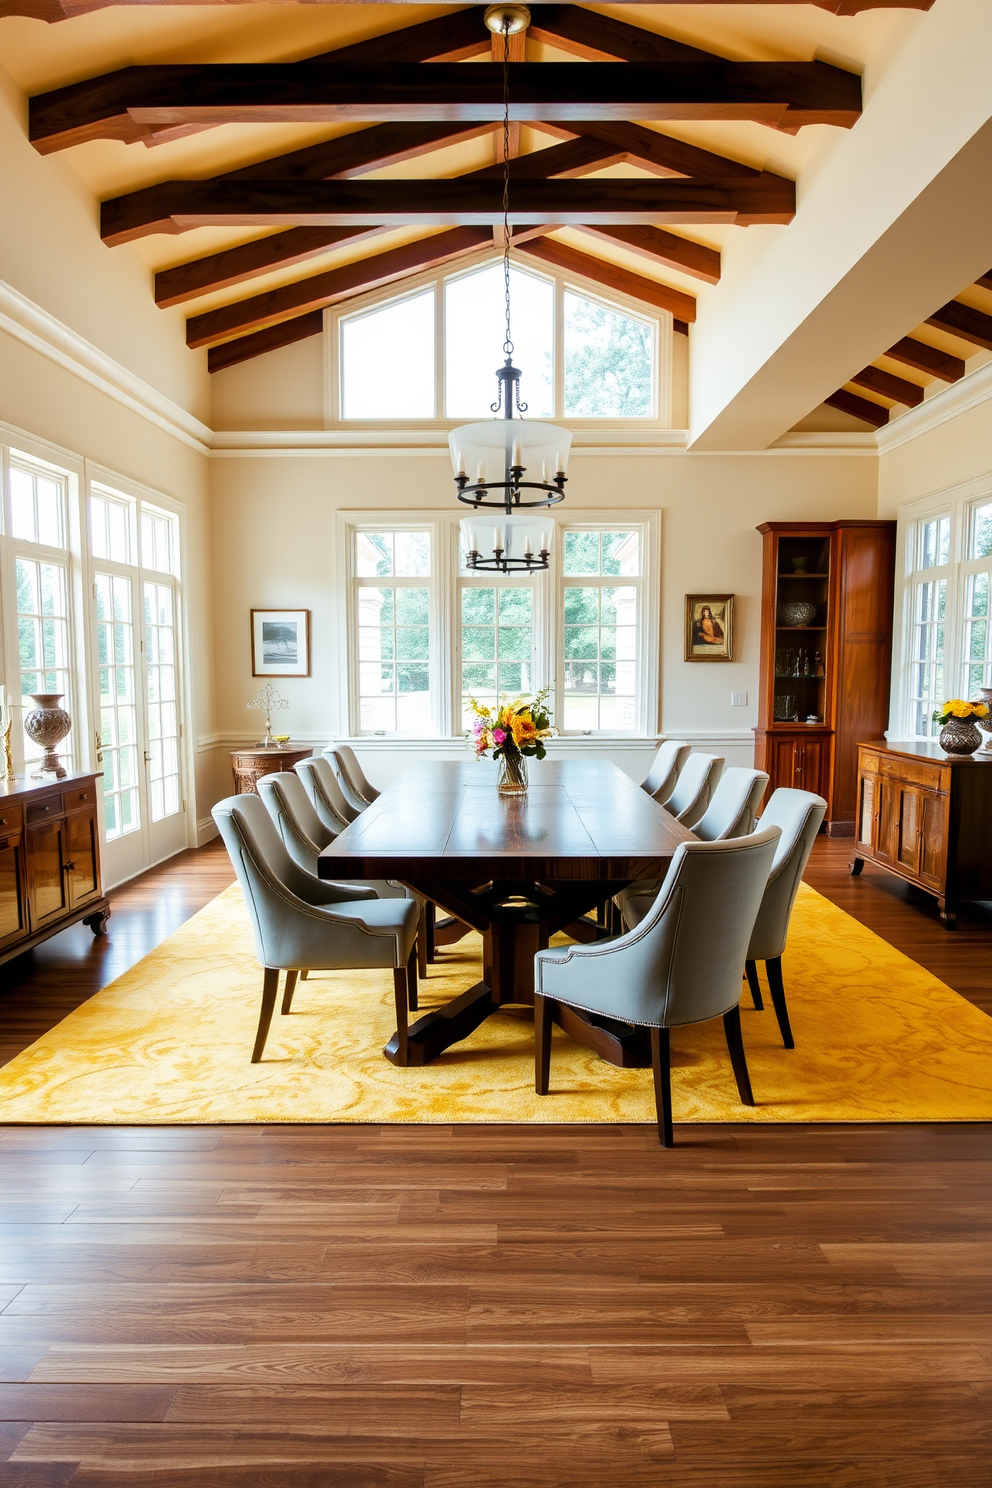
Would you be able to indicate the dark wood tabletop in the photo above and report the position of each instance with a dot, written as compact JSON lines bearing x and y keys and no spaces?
{"x":580,"y":820}
{"x":517,"y":869}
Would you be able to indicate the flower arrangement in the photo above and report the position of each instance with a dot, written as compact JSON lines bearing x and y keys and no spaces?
{"x":959,"y":708}
{"x":519,"y":726}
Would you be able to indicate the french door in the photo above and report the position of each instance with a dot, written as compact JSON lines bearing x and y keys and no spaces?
{"x":136,"y":686}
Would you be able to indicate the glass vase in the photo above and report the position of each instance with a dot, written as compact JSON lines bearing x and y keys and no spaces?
{"x":511,"y":778}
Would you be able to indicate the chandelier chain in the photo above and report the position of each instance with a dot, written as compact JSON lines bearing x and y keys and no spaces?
{"x":508,"y":343}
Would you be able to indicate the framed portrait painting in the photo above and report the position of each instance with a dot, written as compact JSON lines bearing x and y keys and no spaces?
{"x":280,"y":643}
{"x":709,"y":627}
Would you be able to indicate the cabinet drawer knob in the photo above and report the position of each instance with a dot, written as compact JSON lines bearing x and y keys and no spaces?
{"x":68,"y":867}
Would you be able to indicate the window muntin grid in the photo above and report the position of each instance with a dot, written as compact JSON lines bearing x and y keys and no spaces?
{"x":43,"y":642}
{"x":162,"y":712}
{"x":118,"y":709}
{"x":927,"y":670}
{"x":392,"y":618}
{"x":600,"y":639}
{"x":110,"y":526}
{"x":37,"y":505}
{"x":497,"y":643}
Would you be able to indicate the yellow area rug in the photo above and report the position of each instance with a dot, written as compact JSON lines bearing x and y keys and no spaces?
{"x":877,"y":1039}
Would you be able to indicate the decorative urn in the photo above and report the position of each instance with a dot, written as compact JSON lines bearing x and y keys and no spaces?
{"x":47,"y":724}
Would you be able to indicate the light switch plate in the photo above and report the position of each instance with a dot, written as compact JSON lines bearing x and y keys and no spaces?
{"x":738,"y":699}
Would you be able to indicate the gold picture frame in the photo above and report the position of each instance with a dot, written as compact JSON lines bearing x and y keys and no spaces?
{"x":709,"y":627}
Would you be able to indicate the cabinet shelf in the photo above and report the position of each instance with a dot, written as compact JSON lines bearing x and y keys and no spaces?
{"x":803,"y":575}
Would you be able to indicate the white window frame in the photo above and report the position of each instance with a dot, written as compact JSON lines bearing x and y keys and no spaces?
{"x":446,"y":584}
{"x":661,"y":321}
{"x":958,"y":502}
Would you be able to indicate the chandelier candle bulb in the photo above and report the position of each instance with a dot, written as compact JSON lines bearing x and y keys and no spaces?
{"x":480,"y":474}
{"x":528,"y":549}
{"x":516,"y":459}
{"x":500,"y":536}
{"x":460,"y":463}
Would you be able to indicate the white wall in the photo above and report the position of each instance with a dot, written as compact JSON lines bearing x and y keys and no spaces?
{"x":954,"y":451}
{"x":274,"y":534}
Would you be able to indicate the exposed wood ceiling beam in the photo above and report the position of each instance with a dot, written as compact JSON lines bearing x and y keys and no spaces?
{"x":137,"y":100}
{"x":180,"y":205}
{"x":862,"y":408}
{"x":664,"y":248}
{"x":60,"y":10}
{"x":924,"y":358}
{"x":285,"y":333}
{"x":985,"y":282}
{"x":318,"y":290}
{"x":356,"y":154}
{"x":898,"y":388}
{"x":961,"y":320}
{"x":658,"y":153}
{"x":612,"y":276}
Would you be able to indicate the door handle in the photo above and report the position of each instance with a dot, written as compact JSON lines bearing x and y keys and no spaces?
{"x":68,"y":867}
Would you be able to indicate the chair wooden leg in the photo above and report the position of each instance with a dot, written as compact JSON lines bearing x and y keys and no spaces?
{"x":735,"y":1043}
{"x":543,"y":1020}
{"x":422,"y":943}
{"x":411,"y":973}
{"x":401,"y":993}
{"x":287,"y":996}
{"x":751,"y":972}
{"x":304,"y":974}
{"x":773,"y":971}
{"x":270,"y":986}
{"x":429,"y":924}
{"x":661,"y":1064}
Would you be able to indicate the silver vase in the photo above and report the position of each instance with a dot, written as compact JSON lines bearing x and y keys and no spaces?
{"x":47,"y":724}
{"x":959,"y":736}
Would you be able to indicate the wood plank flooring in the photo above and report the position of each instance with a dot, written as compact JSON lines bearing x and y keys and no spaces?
{"x":467,"y":1307}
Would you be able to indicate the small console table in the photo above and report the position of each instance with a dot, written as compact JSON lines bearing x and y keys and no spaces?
{"x":926,"y":816}
{"x":50,"y":873}
{"x":249,"y":765}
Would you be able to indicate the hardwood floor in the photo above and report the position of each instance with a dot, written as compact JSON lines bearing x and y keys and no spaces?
{"x":467,"y":1307}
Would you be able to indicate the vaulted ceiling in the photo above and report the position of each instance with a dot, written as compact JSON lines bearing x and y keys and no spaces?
{"x":268,"y":161}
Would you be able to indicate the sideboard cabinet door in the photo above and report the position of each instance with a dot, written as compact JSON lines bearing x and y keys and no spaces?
{"x":82,"y":864}
{"x":44,"y":858}
{"x":12,"y":917}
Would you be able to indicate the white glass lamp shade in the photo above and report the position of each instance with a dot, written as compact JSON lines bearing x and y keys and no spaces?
{"x":483,"y":451}
{"x":517,"y":537}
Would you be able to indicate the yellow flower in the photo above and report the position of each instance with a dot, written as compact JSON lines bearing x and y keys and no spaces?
{"x":981,"y":710}
{"x":523,"y":730}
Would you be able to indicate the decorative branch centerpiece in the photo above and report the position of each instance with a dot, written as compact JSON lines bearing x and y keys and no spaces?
{"x":512,"y":732}
{"x":958,"y":734}
{"x":269,"y":700}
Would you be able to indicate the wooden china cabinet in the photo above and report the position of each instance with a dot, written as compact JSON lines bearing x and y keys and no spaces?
{"x":826,"y":652}
{"x":50,"y":873}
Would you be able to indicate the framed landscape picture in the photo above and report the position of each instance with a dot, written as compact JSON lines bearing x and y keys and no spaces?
{"x":280,"y":643}
{"x":709,"y":627}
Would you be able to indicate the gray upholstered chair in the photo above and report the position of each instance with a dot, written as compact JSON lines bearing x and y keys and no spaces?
{"x":695,"y":785}
{"x":304,"y":835}
{"x":326,"y":796}
{"x":358,"y":790}
{"x":306,"y":923}
{"x":682,"y":964}
{"x":733,"y":808}
{"x":799,"y":815}
{"x":665,"y":769}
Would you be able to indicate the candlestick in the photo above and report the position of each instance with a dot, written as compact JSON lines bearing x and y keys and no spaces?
{"x":516,"y":458}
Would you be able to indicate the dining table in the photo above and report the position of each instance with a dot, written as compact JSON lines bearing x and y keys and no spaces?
{"x":517,"y":869}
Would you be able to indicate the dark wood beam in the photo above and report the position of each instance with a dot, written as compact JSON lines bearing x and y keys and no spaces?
{"x":924,"y":358}
{"x":286,"y":333}
{"x":664,"y":248}
{"x":249,"y":260}
{"x":137,"y":100}
{"x":889,"y":385}
{"x":356,"y":154}
{"x":176,"y":206}
{"x":290,"y":300}
{"x":985,"y":282}
{"x":602,"y":38}
{"x":60,"y":10}
{"x":612,"y":276}
{"x":961,"y":320}
{"x":658,"y":153}
{"x":862,"y":408}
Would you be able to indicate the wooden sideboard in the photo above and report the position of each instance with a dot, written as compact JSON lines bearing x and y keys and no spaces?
{"x":249,"y":765}
{"x":50,"y":873}
{"x":926,"y":816}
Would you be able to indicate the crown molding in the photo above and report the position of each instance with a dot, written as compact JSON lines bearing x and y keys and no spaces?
{"x":959,"y":398}
{"x":827,"y":442}
{"x":35,"y":327}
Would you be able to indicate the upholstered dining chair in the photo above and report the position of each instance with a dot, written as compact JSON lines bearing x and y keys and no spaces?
{"x":799,"y":815}
{"x":682,"y":964}
{"x":305,"y":923}
{"x":695,"y":785}
{"x":665,"y":769}
{"x":326,"y":796}
{"x":733,"y":807}
{"x":303,"y":835}
{"x":358,"y":789}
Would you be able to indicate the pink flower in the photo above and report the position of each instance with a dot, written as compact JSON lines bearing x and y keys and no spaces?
{"x":499,"y":735}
